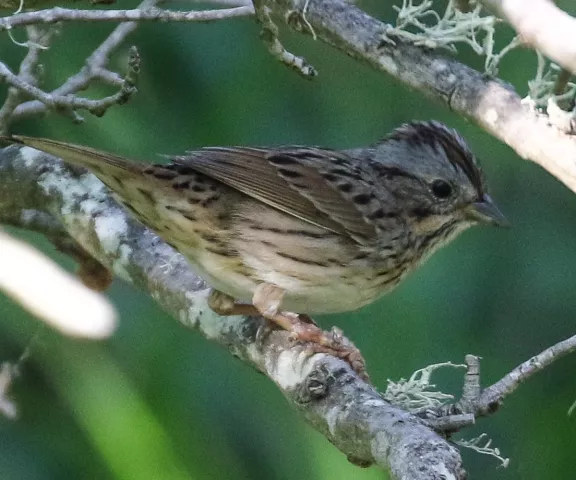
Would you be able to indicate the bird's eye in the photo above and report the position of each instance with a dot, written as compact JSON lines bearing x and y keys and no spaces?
{"x":441,"y":189}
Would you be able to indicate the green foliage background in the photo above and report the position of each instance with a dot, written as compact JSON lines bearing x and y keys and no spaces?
{"x":157,"y":401}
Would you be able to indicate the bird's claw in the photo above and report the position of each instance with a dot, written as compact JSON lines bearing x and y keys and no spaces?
{"x":333,"y":343}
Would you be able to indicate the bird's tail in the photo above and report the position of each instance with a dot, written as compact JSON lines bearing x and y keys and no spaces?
{"x":97,"y":161}
{"x":148,"y":196}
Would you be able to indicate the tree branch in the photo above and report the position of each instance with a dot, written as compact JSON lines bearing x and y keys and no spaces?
{"x":477,"y":402}
{"x":63,"y":99}
{"x":490,"y":103}
{"x":543,"y":26}
{"x":349,"y":412}
{"x":154,"y":14}
{"x":269,"y":35}
{"x":70,"y":103}
{"x":492,"y":396}
{"x":38,"y":39}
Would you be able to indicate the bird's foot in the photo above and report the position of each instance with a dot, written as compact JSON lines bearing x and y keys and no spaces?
{"x":336,"y":344}
{"x":302,"y":328}
{"x":267,"y":299}
{"x":332,"y":343}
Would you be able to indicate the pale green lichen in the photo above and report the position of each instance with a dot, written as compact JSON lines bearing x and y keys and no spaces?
{"x":419,"y":23}
{"x":417,"y":392}
{"x":552,"y":91}
{"x":482,"y":444}
{"x":543,"y":86}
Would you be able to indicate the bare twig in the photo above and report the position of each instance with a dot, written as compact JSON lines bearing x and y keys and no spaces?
{"x":492,"y":396}
{"x":63,"y":98}
{"x":71,"y":103}
{"x":269,"y":35}
{"x":477,"y":402}
{"x":151,"y":14}
{"x":95,"y":69}
{"x":542,"y":25}
{"x":38,"y":40}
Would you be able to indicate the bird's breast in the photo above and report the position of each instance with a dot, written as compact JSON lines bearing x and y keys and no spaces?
{"x":321,"y":271}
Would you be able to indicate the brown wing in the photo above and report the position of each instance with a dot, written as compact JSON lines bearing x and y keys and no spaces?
{"x":320,"y":186}
{"x":299,"y":181}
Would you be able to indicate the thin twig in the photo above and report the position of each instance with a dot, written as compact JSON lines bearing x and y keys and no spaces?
{"x":269,"y":36}
{"x":38,"y":40}
{"x":482,"y":403}
{"x":71,"y":103}
{"x":153,"y":14}
{"x":95,"y":69}
{"x":492,"y":396}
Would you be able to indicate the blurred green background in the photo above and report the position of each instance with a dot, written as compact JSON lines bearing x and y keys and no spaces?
{"x":157,"y":401}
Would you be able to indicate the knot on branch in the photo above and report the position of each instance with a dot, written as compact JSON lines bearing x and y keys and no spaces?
{"x":316,"y":385}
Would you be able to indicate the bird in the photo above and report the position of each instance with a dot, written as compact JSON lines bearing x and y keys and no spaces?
{"x":292,"y":231}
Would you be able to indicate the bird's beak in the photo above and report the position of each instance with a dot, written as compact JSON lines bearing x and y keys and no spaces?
{"x":486,"y":211}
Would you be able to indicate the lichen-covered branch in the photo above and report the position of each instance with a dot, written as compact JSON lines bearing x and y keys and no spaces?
{"x":349,"y":412}
{"x":490,"y":103}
